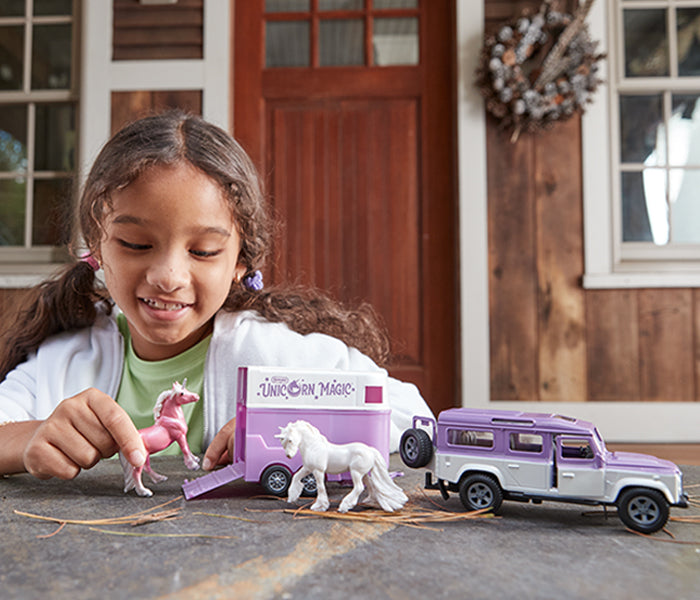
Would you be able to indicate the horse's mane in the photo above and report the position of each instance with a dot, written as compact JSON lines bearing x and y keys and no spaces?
{"x":162,"y":397}
{"x":308,"y":426}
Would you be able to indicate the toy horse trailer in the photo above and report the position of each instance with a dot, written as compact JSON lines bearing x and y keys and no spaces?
{"x":487,"y":456}
{"x":345,"y":406}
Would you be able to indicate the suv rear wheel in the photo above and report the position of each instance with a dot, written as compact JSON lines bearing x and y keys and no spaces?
{"x":644,"y":510}
{"x":479,"y":492}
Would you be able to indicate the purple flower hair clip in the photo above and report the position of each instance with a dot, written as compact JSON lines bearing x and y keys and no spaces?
{"x":254,"y":281}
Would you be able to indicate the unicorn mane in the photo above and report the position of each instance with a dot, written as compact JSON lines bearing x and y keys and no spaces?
{"x":164,"y":395}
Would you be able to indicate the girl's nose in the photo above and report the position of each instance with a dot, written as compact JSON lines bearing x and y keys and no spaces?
{"x":168,"y":273}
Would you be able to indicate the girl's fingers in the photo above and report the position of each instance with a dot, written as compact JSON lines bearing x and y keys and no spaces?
{"x":120,"y":427}
{"x":221,"y":448}
{"x":79,"y":432}
{"x":45,"y":461}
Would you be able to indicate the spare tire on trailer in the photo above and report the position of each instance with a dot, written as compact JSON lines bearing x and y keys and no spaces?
{"x":416,"y":448}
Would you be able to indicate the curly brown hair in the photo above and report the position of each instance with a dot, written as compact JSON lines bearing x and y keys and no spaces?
{"x":69,"y":301}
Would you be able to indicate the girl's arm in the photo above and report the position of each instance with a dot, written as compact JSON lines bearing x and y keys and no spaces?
{"x":80,"y":431}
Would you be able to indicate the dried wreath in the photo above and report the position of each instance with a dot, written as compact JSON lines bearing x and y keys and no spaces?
{"x":539,"y":69}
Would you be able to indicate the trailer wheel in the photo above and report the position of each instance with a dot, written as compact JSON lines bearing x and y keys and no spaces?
{"x":276,"y":480}
{"x":479,"y":492}
{"x":310,"y":487}
{"x":642,"y":509}
{"x":416,"y":448}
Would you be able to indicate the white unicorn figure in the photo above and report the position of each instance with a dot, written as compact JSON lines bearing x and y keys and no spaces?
{"x":319,"y":456}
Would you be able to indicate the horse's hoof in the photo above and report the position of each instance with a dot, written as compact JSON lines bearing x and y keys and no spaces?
{"x":320,"y":507}
{"x":144,"y":493}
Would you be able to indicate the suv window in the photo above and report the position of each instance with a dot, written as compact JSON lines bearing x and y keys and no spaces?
{"x":526,"y":442}
{"x":576,"y":448}
{"x":470,"y":437}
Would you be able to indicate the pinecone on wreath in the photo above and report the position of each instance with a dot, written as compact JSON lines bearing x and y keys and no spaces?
{"x":539,"y":69}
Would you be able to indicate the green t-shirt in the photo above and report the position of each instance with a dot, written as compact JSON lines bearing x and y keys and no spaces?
{"x":143,"y":381}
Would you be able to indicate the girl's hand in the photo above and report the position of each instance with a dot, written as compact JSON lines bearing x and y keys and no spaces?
{"x":80,"y":431}
{"x":220,"y":451}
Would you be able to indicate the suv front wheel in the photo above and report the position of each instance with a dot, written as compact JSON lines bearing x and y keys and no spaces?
{"x":479,"y":492}
{"x":644,"y":510}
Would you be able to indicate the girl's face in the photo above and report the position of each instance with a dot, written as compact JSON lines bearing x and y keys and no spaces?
{"x":169,"y":253}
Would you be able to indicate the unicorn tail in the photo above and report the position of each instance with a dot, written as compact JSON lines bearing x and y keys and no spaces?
{"x":129,"y":480}
{"x":382,"y":488}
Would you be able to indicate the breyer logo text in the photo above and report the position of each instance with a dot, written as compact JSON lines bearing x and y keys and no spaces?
{"x":281,"y":387}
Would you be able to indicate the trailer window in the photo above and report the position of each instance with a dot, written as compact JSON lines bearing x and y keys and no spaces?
{"x":470,"y":437}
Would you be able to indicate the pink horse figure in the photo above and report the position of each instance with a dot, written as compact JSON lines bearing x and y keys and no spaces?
{"x":169,"y":427}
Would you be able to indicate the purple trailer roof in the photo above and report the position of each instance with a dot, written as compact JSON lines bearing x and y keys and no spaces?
{"x":513,"y":418}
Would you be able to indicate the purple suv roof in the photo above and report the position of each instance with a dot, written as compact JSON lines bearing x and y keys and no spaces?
{"x":514,"y":418}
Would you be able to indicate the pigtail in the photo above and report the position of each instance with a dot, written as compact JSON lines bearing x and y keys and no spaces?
{"x":65,"y":303}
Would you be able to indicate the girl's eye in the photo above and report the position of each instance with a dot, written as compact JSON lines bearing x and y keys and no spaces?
{"x":205,"y":253}
{"x":132,"y":246}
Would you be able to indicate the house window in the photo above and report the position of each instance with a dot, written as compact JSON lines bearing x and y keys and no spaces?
{"x":643,"y":220}
{"x":38,"y":115}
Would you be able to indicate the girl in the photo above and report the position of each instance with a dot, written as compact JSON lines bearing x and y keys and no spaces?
{"x":173,"y":214}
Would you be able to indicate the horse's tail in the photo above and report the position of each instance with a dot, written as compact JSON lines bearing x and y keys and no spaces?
{"x":382,"y":487}
{"x":129,"y":481}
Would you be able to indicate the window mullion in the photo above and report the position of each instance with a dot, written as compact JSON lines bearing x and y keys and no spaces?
{"x":31,"y":147}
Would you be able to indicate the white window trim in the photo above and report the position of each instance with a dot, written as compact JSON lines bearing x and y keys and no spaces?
{"x":30,"y":264}
{"x":606,"y":265}
{"x":630,"y":422}
{"x":100,"y":76}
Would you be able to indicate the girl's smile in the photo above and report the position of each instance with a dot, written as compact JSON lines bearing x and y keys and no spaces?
{"x":170,"y":254}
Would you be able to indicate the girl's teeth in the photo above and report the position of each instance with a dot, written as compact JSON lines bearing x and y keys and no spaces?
{"x":162,"y":306}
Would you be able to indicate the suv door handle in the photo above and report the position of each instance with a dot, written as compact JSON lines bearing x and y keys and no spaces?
{"x":568,"y":475}
{"x":513,"y":466}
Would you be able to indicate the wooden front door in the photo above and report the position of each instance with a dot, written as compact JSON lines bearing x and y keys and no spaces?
{"x":346,"y":108}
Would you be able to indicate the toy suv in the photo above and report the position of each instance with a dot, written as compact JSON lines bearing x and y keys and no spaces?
{"x":487,"y":456}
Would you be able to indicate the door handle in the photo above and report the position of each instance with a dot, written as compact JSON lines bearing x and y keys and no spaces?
{"x":568,"y":475}
{"x":513,"y":466}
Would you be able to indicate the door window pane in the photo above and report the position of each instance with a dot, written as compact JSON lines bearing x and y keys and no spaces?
{"x":13,"y":138}
{"x":646,"y":44}
{"x":272,"y":6}
{"x":380,"y":4}
{"x":396,"y":41}
{"x":51,"y":201}
{"x":11,"y":57}
{"x":55,"y":137}
{"x":12,"y":192}
{"x":342,"y":42}
{"x":642,"y":137}
{"x":341,"y":4}
{"x":12,"y":8}
{"x":53,"y":8}
{"x":688,"y":41}
{"x":287,"y":44}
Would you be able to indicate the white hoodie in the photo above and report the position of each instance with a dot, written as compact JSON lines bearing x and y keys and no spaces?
{"x":72,"y":361}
